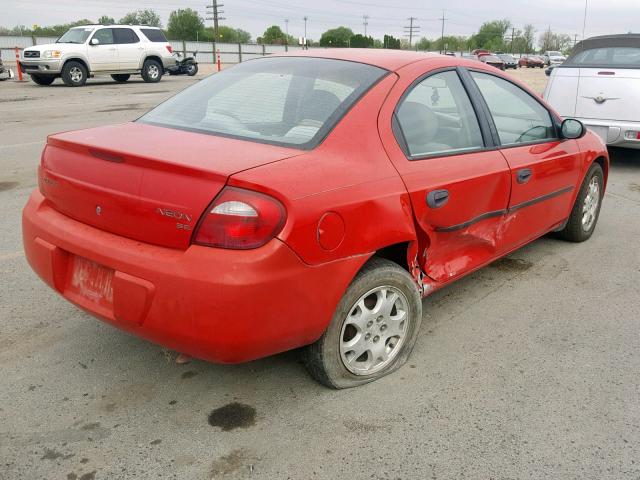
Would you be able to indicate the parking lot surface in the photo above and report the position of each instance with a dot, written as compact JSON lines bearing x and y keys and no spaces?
{"x":526,"y":369}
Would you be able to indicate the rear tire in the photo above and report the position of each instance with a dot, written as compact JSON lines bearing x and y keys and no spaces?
{"x":379,"y":338}
{"x":43,"y":79}
{"x":74,"y":74}
{"x":586,"y":209}
{"x":151,"y":71}
{"x":121,"y":77}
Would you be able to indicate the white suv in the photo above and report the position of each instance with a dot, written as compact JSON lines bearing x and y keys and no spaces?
{"x":116,"y":50}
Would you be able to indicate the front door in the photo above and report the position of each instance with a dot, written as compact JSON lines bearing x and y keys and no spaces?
{"x":459,"y":188}
{"x":544,"y":168}
{"x":103,"y":56}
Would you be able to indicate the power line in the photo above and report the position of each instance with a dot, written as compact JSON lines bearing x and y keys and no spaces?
{"x":411,"y":30}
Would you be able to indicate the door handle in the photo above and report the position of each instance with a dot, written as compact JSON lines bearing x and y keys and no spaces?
{"x":437,"y":198}
{"x":523,"y":175}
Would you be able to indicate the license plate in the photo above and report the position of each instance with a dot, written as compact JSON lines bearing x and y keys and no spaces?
{"x":602,"y":132}
{"x":92,"y":281}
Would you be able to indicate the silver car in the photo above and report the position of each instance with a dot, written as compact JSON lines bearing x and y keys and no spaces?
{"x":599,"y":84}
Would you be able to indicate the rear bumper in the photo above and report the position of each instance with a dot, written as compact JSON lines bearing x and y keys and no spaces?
{"x":219,"y":305}
{"x":613,"y":132}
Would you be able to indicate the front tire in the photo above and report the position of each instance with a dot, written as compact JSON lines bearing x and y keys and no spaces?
{"x":74,"y":74}
{"x":43,"y":79}
{"x":121,"y":77}
{"x":586,"y":210}
{"x":373,"y":329}
{"x":151,"y":71}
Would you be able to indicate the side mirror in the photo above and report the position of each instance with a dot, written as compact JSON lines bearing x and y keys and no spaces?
{"x":572,"y":129}
{"x":94,"y":41}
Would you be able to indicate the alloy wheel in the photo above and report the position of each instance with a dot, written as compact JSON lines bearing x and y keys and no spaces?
{"x":374,"y":330}
{"x":591,"y":203}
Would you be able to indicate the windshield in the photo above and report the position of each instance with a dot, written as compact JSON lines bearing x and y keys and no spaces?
{"x":291,"y":101}
{"x":508,"y":58}
{"x":621,"y":57}
{"x":554,"y":54}
{"x":75,"y":35}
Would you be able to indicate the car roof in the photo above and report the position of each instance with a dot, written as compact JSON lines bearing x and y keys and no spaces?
{"x":114,"y":26}
{"x":384,"y":58}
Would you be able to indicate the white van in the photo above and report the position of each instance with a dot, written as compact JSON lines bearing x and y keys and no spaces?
{"x":599,"y":84}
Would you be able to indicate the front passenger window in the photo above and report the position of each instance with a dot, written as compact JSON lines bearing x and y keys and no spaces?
{"x":437,"y":117}
{"x":519,"y":118}
{"x":105,"y":36}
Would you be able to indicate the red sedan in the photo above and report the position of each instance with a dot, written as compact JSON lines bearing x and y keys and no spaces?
{"x":307,"y":200}
{"x":531,"y":61}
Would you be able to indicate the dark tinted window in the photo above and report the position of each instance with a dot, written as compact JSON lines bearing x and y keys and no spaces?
{"x":125,"y":35}
{"x":607,"y":57}
{"x":437,"y":117}
{"x":104,"y":35}
{"x":519,"y":118}
{"x":154,"y":34}
{"x":291,"y":101}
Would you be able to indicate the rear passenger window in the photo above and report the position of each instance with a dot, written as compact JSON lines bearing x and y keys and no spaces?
{"x":125,"y":35}
{"x":154,"y":35}
{"x":104,"y":35}
{"x":437,"y":117}
{"x":519,"y":118}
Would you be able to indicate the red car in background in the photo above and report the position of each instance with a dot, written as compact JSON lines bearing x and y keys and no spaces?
{"x":531,"y":61}
{"x":309,"y":199}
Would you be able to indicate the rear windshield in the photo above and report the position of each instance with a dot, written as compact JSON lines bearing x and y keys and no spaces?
{"x":291,"y":101}
{"x":620,"y":57}
{"x":154,"y":35}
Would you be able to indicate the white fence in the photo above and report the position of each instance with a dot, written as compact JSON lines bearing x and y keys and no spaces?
{"x":229,"y":52}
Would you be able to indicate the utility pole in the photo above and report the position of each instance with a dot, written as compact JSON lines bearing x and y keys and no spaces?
{"x":411,"y":30}
{"x":584,"y":23}
{"x":513,"y":36}
{"x":305,"y":18}
{"x":215,"y":13}
{"x":575,"y":39}
{"x":442,"y":33}
{"x":365,"y":22}
{"x":286,"y":26}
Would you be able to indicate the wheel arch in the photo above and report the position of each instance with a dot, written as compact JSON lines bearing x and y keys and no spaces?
{"x":152,"y":57}
{"x":604,"y":164}
{"x":79,"y":60}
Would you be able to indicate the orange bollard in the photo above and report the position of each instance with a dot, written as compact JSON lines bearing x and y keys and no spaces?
{"x":219,"y":60}
{"x":18,"y":64}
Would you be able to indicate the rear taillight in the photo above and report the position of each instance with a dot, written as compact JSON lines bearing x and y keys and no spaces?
{"x":170,"y":48}
{"x":240,"y":219}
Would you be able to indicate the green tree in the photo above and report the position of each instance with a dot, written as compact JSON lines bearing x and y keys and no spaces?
{"x":184,"y":24}
{"x":360,"y":41}
{"x":336,"y":37}
{"x":106,"y":20}
{"x":491,"y":35}
{"x":275,"y":36}
{"x":141,"y":17}
{"x":424,"y":44}
{"x":450,"y":43}
{"x":390,"y":41}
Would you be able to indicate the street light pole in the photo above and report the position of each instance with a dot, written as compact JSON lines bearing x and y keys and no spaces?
{"x":584,"y":23}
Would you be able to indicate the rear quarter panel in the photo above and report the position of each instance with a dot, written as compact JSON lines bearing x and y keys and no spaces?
{"x":350,"y":175}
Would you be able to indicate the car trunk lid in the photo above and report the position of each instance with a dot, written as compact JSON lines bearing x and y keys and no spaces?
{"x":144,"y":182}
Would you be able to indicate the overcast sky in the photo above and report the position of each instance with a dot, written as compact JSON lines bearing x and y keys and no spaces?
{"x":464,"y":16}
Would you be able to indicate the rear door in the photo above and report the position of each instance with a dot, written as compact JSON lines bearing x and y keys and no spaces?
{"x":130,"y":50}
{"x":544,"y":169}
{"x":459,"y":189}
{"x":104,"y":55}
